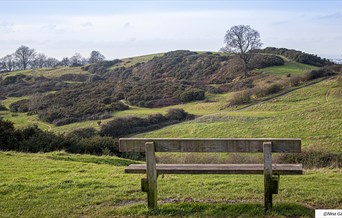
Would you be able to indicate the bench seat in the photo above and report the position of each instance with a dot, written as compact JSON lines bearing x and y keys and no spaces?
{"x":267,"y":146}
{"x":280,"y":169}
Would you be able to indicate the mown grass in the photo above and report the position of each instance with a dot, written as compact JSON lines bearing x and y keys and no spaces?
{"x":58,"y":184}
{"x":292,"y":68}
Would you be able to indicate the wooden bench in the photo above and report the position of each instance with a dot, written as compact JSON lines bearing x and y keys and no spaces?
{"x":267,"y":146}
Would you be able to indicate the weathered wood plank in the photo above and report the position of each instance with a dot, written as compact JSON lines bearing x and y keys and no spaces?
{"x":281,"y":169}
{"x":285,"y":145}
{"x":151,"y":175}
{"x":268,"y":175}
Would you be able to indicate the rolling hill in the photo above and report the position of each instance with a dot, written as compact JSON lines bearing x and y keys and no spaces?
{"x":58,"y":184}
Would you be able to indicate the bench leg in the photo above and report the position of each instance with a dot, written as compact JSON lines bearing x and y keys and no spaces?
{"x":151,"y":171}
{"x":267,"y":146}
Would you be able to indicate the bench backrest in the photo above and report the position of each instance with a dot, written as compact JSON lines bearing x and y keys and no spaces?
{"x":280,"y":145}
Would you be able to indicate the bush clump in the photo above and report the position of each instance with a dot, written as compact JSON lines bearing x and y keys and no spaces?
{"x":239,"y":98}
{"x":127,"y":125}
{"x":192,"y":95}
{"x":3,"y":107}
{"x":313,"y":158}
{"x":86,"y":132}
{"x":20,"y":106}
{"x":32,"y":139}
{"x":95,"y":145}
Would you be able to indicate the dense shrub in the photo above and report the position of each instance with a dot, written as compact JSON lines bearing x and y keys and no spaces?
{"x":321,"y":72}
{"x":33,"y":139}
{"x":100,"y":67}
{"x":262,"y":61}
{"x":20,"y":106}
{"x":295,"y":80}
{"x":191,"y":95}
{"x":3,"y":107}
{"x":86,"y":132}
{"x":22,"y":85}
{"x":177,"y":114}
{"x":82,"y":102}
{"x":262,"y":91}
{"x":239,"y":98}
{"x":95,"y":145}
{"x":127,"y":125}
{"x":313,"y":158}
{"x":298,"y":56}
{"x":74,"y":77}
{"x":7,"y":134}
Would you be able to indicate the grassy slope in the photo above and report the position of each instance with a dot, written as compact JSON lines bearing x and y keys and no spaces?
{"x":304,"y":113}
{"x":63,"y":185}
{"x":288,"y":68}
{"x":129,"y":62}
{"x":48,"y":72}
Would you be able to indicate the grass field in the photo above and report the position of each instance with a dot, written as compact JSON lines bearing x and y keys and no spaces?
{"x":312,"y":113}
{"x":48,"y":72}
{"x":292,"y":68}
{"x":64,"y":185}
{"x":129,"y":62}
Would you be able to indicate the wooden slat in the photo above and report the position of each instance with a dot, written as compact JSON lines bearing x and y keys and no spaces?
{"x":151,"y":175}
{"x":285,"y":145}
{"x":267,"y":175}
{"x":281,"y":169}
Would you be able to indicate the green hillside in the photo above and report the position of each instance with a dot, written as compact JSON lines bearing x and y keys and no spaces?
{"x":59,"y":184}
{"x":292,"y":68}
{"x":312,"y":113}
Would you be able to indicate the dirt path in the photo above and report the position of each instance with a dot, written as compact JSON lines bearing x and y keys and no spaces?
{"x":44,"y":124}
{"x":275,"y":97}
{"x":284,"y":94}
{"x":327,"y":95}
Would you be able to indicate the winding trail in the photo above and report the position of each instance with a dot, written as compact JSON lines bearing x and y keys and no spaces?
{"x":277,"y":96}
{"x":44,"y":124}
{"x":286,"y":93}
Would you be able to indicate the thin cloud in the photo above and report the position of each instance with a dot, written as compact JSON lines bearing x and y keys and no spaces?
{"x":337,"y":15}
{"x":87,"y":24}
{"x":6,"y":26}
{"x":127,"y":25}
{"x":280,"y":22}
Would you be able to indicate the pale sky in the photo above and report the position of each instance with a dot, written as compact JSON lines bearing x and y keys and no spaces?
{"x":129,"y":28}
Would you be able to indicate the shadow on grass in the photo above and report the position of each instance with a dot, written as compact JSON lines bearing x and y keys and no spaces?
{"x":218,"y":210}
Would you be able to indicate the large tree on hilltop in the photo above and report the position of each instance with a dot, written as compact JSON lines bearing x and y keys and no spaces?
{"x":242,"y":40}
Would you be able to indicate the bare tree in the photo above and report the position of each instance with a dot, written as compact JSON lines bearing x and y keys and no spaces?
{"x":51,"y":62}
{"x":64,"y":62}
{"x":242,"y":40}
{"x":8,"y":62}
{"x":76,"y":60}
{"x":84,"y":61}
{"x":24,"y":56}
{"x":39,"y":61}
{"x":96,"y":56}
